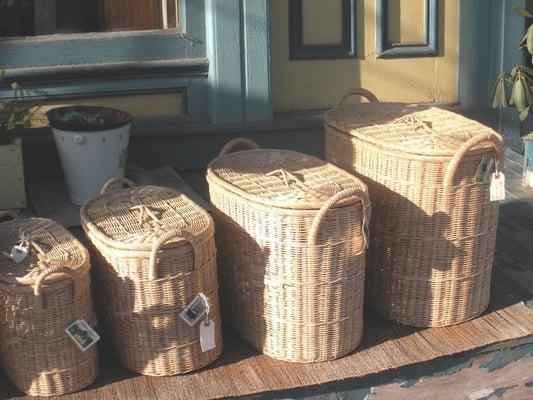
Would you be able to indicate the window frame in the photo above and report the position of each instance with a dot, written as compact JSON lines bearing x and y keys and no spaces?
{"x":89,"y":53}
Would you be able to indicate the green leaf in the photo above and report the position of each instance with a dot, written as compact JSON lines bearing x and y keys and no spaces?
{"x":527,"y":90}
{"x":522,"y":12}
{"x":519,"y":95}
{"x":523,"y":115}
{"x":503,"y":101}
{"x":496,"y":95}
{"x":523,"y":42}
{"x":529,"y":43}
{"x":527,"y":70}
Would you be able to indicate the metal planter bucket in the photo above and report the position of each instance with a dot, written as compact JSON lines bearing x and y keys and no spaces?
{"x":92,"y":143}
{"x":527,"y":177}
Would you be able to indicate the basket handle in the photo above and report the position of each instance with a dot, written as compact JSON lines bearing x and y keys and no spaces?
{"x":57,"y":269}
{"x":115,"y":181}
{"x":312,"y":240}
{"x":237,"y":142}
{"x":367,"y":94}
{"x":159,"y":242}
{"x":13,"y":214}
{"x":491,"y":138}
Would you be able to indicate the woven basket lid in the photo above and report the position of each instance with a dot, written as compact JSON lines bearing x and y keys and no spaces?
{"x":133,"y":218}
{"x":409,"y":128}
{"x":49,"y":245}
{"x":281,"y":178}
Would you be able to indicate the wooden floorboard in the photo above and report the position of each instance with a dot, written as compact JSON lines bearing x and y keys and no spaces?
{"x":242,"y":371}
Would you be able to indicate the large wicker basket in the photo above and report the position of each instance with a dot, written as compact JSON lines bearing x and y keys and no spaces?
{"x":39,"y":298}
{"x":290,"y":234}
{"x":434,"y":227}
{"x":154,"y":252}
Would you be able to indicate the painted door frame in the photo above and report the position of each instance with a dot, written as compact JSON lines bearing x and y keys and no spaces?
{"x":221,"y":62}
{"x":489,"y":33}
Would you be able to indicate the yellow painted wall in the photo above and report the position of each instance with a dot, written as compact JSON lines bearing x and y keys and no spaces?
{"x":316,"y":84}
{"x":138,"y":105}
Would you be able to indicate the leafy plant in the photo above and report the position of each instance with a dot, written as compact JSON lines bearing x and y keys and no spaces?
{"x":17,"y":112}
{"x":519,"y":80}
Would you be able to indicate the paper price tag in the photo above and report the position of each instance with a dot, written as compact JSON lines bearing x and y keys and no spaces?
{"x":195,"y":309}
{"x":207,"y":335}
{"x":497,"y":187}
{"x":82,"y":334}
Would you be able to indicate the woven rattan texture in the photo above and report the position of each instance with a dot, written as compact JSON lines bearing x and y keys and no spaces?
{"x":133,"y":222}
{"x":292,"y":298}
{"x":276,"y":178}
{"x":39,"y":298}
{"x":143,"y":297}
{"x":432,"y":242}
{"x":414,"y":129}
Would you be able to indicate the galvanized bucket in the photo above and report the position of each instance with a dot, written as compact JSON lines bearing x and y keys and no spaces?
{"x":92,"y":143}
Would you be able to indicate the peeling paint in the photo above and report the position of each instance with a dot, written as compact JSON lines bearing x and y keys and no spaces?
{"x":409,"y":383}
{"x":454,"y":369}
{"x":492,"y":393}
{"x":502,"y":358}
{"x":529,"y":384}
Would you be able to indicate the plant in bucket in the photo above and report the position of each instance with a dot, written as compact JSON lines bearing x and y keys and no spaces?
{"x":92,"y":143}
{"x":15,"y":114}
{"x":519,"y":82}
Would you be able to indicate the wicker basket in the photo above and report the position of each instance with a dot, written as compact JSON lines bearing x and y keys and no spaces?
{"x":39,"y":298}
{"x":289,"y":230}
{"x":155,"y":251}
{"x":434,"y":226}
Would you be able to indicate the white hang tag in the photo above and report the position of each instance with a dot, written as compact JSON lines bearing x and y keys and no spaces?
{"x":18,"y":253}
{"x":207,"y":335}
{"x":497,"y":187}
{"x":195,"y":309}
{"x":82,"y":334}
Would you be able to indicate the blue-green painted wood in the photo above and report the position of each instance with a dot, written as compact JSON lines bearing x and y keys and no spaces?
{"x":196,"y":100}
{"x":511,"y":31}
{"x":192,"y":15}
{"x":474,"y":26}
{"x":103,"y":87}
{"x":300,"y":51}
{"x":428,"y":48}
{"x":103,"y":62}
{"x":256,"y":60}
{"x":528,"y":156}
{"x":489,"y":33}
{"x":237,"y":34}
{"x":93,"y":48}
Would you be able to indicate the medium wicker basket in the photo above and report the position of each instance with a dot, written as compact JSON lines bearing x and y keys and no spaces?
{"x":154,"y":251}
{"x":39,"y":298}
{"x":290,"y":234}
{"x":434,"y":226}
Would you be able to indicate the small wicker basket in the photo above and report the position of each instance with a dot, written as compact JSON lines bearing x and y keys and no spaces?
{"x":154,"y":251}
{"x":434,"y":226}
{"x":290,"y":234}
{"x":39,"y":298}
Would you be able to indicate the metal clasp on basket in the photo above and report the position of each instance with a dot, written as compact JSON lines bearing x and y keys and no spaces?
{"x":20,"y":251}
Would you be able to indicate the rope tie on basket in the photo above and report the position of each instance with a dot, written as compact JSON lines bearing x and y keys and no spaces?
{"x":292,"y":180}
{"x":144,"y":213}
{"x":418,"y":125}
{"x":415,"y":122}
